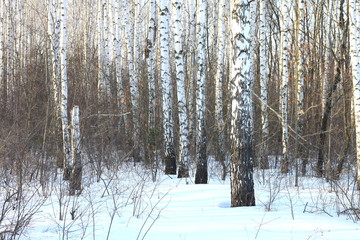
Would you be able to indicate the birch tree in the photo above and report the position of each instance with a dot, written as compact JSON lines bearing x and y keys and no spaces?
{"x":118,"y":56}
{"x":201,"y":175}
{"x":220,"y":75}
{"x":263,"y":83}
{"x":133,"y":127}
{"x":168,"y":122}
{"x":299,"y":76}
{"x":150,"y":56}
{"x":190,"y":94}
{"x":183,"y":157}
{"x":102,"y":57}
{"x":284,"y":69}
{"x":76,"y":171}
{"x":64,"y":91}
{"x":242,"y":185}
{"x":355,"y":70}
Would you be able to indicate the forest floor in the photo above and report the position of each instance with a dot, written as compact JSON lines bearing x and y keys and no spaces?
{"x":128,"y":205}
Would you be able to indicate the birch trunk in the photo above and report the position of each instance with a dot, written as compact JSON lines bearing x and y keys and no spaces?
{"x":101,"y":50}
{"x":284,"y":69}
{"x":53,"y":33}
{"x":190,"y":94}
{"x":118,"y":56}
{"x":150,"y":56}
{"x":299,"y":62}
{"x":170,"y":158}
{"x":220,"y":74}
{"x":76,"y":171}
{"x":133,"y":127}
{"x":184,"y":145}
{"x":264,"y":163}
{"x":242,"y":185}
{"x":201,"y":175}
{"x":64,"y":92}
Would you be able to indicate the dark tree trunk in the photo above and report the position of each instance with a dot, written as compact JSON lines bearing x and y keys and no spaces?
{"x":242,"y":184}
{"x":170,"y":161}
{"x":201,"y":175}
{"x":324,"y":123}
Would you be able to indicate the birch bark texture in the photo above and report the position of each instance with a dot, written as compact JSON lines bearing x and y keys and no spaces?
{"x":355,"y":70}
{"x":168,"y":122}
{"x":64,"y":91}
{"x":241,"y":181}
{"x":219,"y":84}
{"x":201,"y":175}
{"x":184,"y":145}
{"x":284,"y":70}
{"x":264,"y":164}
{"x":76,"y":171}
{"x":150,"y":57}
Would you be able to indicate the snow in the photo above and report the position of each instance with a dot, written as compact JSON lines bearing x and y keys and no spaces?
{"x":172,"y":208}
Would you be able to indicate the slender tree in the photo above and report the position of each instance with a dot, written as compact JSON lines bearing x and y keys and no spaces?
{"x":150,"y":56}
{"x":76,"y":171}
{"x":284,"y":70}
{"x":168,"y":122}
{"x":133,"y":127}
{"x":201,"y":175}
{"x":242,"y":185}
{"x":219,"y":83}
{"x":64,"y":91}
{"x":181,"y":96}
{"x":264,"y":163}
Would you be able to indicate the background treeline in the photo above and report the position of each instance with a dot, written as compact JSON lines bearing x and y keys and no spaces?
{"x":304,"y":117}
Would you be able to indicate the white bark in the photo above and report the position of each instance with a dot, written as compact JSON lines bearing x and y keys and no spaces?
{"x":284,"y":70}
{"x":242,"y":185}
{"x":219,"y":85}
{"x":300,"y":61}
{"x":166,"y":87}
{"x":129,"y":20}
{"x":190,"y":95}
{"x":181,"y":96}
{"x":118,"y":56}
{"x":263,"y":81}
{"x":201,"y":171}
{"x":76,"y":171}
{"x":54,"y":34}
{"x":150,"y":56}
{"x":64,"y":88}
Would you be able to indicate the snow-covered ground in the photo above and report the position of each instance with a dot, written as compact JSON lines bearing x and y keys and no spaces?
{"x":128,"y":205}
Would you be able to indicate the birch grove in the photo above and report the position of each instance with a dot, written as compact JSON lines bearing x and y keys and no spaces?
{"x":195,"y":88}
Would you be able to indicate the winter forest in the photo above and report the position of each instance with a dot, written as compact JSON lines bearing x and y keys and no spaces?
{"x":104,"y":104}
